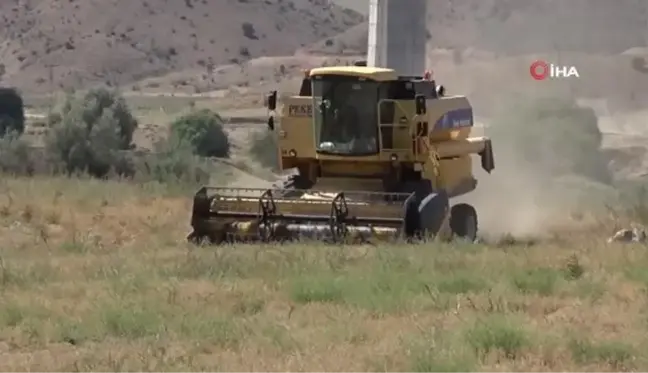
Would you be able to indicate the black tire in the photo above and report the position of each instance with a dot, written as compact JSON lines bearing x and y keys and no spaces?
{"x":194,"y":238}
{"x":412,"y":218}
{"x":211,"y":238}
{"x":433,"y":210}
{"x":424,"y":216}
{"x":463,"y":222}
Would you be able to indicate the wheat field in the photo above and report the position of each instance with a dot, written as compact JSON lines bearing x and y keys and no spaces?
{"x":96,"y":275}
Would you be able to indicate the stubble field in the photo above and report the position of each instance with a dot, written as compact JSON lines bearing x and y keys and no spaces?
{"x":97,"y":276}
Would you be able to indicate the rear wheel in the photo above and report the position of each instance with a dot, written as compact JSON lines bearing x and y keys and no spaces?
{"x":463,"y":221}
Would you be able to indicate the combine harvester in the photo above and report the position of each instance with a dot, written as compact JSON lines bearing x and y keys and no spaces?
{"x":378,"y":151}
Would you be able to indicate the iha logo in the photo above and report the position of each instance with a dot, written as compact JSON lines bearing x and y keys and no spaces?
{"x":541,"y":70}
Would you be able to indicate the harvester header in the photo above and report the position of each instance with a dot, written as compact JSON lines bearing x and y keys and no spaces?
{"x":236,"y":215}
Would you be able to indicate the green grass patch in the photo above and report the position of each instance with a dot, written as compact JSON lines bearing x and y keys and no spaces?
{"x":541,"y":281}
{"x":383,"y":289}
{"x":616,"y":353}
{"x":437,"y":350}
{"x":498,"y":333}
{"x":637,"y":273}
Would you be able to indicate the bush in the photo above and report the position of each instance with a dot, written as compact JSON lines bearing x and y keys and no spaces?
{"x":15,"y":155}
{"x":552,"y":136}
{"x":265,"y":149}
{"x":91,"y":134}
{"x":173,"y":160}
{"x":12,"y":113}
{"x":204,"y":130}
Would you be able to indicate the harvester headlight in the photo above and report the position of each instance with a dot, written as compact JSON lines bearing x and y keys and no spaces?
{"x":394,"y":157}
{"x":292,"y":153}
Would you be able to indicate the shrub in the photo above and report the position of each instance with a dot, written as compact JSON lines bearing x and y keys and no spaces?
{"x":204,"y":130}
{"x":15,"y":155}
{"x":12,"y":114}
{"x":92,"y":133}
{"x":554,"y":136}
{"x":173,"y":160}
{"x":265,"y":149}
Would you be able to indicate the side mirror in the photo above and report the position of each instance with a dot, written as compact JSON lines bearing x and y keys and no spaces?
{"x":271,"y":100}
{"x":271,"y":125}
{"x":421,"y":107}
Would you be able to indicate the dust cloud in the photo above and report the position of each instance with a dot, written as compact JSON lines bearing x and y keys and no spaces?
{"x":546,"y":166}
{"x":510,"y":203}
{"x":549,"y":164}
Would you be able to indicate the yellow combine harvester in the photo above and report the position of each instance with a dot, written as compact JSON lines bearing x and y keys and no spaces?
{"x":375,"y":155}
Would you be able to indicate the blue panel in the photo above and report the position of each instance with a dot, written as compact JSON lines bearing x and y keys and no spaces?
{"x":454,"y":119}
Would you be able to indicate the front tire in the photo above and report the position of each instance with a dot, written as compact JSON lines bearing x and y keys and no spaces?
{"x":463,"y":222}
{"x":424,"y":216}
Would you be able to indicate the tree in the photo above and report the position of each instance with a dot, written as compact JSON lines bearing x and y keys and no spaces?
{"x":12,"y":112}
{"x":15,"y":155}
{"x":91,"y":133}
{"x":204,"y":130}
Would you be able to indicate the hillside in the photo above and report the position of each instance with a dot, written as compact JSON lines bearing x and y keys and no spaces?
{"x":118,"y":41}
{"x":521,"y":26}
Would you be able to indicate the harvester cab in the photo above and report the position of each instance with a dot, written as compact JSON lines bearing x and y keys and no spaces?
{"x":375,"y":154}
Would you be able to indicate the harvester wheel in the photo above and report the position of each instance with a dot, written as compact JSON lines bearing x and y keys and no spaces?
{"x":424,"y":217}
{"x":194,"y":238}
{"x":463,"y":221}
{"x":199,"y":239}
{"x":433,"y":211}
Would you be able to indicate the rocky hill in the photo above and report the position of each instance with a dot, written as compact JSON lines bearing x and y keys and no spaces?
{"x":119,"y":41}
{"x":520,"y":26}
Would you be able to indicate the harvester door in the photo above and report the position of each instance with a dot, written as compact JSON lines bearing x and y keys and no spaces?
{"x":387,"y":110}
{"x":394,"y":126}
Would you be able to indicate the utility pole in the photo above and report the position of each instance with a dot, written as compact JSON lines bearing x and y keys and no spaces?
{"x":398,"y":35}
{"x":51,"y":89}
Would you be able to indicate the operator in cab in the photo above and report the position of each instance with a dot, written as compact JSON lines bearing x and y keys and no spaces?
{"x":345,"y":130}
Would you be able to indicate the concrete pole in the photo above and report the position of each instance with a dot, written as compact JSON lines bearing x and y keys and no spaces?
{"x":398,"y":35}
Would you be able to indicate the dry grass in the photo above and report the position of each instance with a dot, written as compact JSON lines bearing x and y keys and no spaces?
{"x":97,"y":276}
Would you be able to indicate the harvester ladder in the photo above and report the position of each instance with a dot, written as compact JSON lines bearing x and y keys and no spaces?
{"x":431,"y":152}
{"x":434,"y":156}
